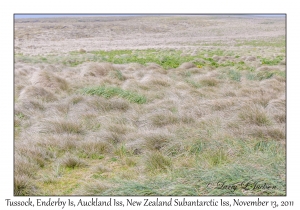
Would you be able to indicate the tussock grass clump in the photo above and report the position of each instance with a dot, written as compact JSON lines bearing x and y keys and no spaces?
{"x":61,"y":141}
{"x":109,"y":92}
{"x":36,"y":92}
{"x":23,"y":166}
{"x":234,"y":75}
{"x":193,"y":83}
{"x":152,"y":66}
{"x":267,"y":68}
{"x":264,"y":75}
{"x":187,"y":118}
{"x":132,"y":189}
{"x":59,"y":125}
{"x":99,"y":169}
{"x":23,"y":186}
{"x":94,"y":149}
{"x":250,"y":58}
{"x":211,"y":82}
{"x":156,"y":141}
{"x":159,"y":82}
{"x":122,"y":151}
{"x":94,"y":188}
{"x":117,"y":74}
{"x":276,"y":106}
{"x":76,"y":99}
{"x":197,"y":146}
{"x":273,"y":133}
{"x":255,"y":114}
{"x":118,"y":128}
{"x":163,"y":119}
{"x":113,"y":137}
{"x":105,"y":105}
{"x":117,"y":104}
{"x":267,"y":147}
{"x":271,"y":61}
{"x":70,"y":161}
{"x":96,"y":69}
{"x":29,"y":106}
{"x":187,"y":65}
{"x":221,"y":104}
{"x":17,"y":122}
{"x":156,"y":161}
{"x":216,"y":157}
{"x":49,"y":80}
{"x":37,"y":155}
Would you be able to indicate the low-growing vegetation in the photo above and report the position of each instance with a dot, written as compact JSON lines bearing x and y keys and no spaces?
{"x":151,"y":121}
{"x":109,"y":92}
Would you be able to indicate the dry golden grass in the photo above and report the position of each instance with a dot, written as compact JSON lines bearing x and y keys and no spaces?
{"x":187,"y":65}
{"x":96,"y":69}
{"x":255,"y":114}
{"x":47,"y":79}
{"x":36,"y":92}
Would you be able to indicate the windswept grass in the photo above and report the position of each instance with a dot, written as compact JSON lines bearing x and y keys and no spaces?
{"x":167,"y":59}
{"x":274,"y":61}
{"x":72,"y":162}
{"x":108,"y":92}
{"x":255,"y":115}
{"x":156,"y":162}
{"x":149,"y":122}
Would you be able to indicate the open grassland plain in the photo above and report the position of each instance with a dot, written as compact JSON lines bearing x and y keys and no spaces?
{"x":150,"y":105}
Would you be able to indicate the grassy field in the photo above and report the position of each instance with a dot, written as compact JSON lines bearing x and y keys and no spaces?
{"x":152,"y":121}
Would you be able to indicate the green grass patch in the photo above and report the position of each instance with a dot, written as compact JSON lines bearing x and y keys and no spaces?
{"x":131,"y":189}
{"x":262,"y":75}
{"x":234,"y":75}
{"x":193,"y":83}
{"x":157,"y":162}
{"x":93,"y":156}
{"x":118,"y":74}
{"x":165,"y":58}
{"x":201,"y":181}
{"x":108,"y":92}
{"x":270,"y":61}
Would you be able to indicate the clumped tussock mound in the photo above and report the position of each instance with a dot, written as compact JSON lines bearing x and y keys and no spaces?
{"x":153,"y":66}
{"x":255,"y":114}
{"x":250,"y":58}
{"x":23,"y":186}
{"x":156,"y":140}
{"x":134,"y":66}
{"x":95,"y":148}
{"x":36,"y":92}
{"x":268,"y":68}
{"x":29,"y":106}
{"x":95,"y":188}
{"x":211,"y":82}
{"x":158,"y":82}
{"x":71,"y":161}
{"x":60,"y":126}
{"x":96,"y":69}
{"x":277,"y":108}
{"x":163,"y":118}
{"x":187,"y":65}
{"x":49,"y":80}
{"x":271,"y":133}
{"x":119,"y":66}
{"x":90,"y":104}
